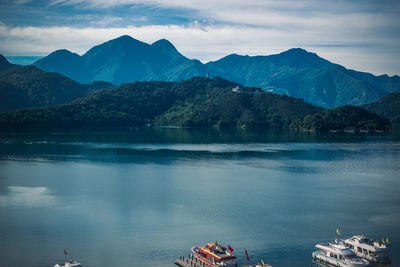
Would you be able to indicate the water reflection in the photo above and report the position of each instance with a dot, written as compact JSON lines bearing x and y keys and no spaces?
{"x":144,"y":197}
{"x":27,"y":196}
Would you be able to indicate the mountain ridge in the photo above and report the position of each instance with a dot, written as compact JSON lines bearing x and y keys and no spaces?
{"x":196,"y":102}
{"x":295,"y":72}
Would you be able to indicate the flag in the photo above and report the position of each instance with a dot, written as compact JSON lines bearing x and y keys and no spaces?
{"x":65,"y":253}
{"x":247,"y":255}
{"x":230,"y":249}
{"x":388,"y":241}
{"x":383,"y":240}
{"x":338,"y":231}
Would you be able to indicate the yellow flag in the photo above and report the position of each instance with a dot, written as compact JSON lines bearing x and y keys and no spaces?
{"x":383,"y":240}
{"x":338,"y":231}
{"x":388,"y":241}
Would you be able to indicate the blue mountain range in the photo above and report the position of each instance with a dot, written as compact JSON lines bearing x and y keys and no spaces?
{"x":295,"y":72}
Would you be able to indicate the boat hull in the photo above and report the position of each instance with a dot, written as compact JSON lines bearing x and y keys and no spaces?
{"x":336,"y":262}
{"x":195,"y":251}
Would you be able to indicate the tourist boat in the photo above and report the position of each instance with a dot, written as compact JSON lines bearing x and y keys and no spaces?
{"x":215,"y":255}
{"x":368,"y":249}
{"x":338,"y":255}
{"x":70,"y":263}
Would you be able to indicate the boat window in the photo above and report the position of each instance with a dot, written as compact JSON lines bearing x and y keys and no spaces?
{"x":359,"y":249}
{"x":365,"y":251}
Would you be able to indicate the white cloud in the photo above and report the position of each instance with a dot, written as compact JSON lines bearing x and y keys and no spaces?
{"x":358,"y":35}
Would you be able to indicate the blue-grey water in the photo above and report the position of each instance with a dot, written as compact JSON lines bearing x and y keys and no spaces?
{"x":144,"y":197}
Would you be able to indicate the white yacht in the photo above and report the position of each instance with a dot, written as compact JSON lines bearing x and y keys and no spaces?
{"x":70,"y":263}
{"x":368,"y":249}
{"x":338,"y":255}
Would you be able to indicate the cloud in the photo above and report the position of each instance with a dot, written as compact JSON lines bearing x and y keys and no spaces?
{"x":358,"y":34}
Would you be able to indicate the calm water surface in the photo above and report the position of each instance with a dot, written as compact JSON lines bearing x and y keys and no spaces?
{"x":145,"y":197}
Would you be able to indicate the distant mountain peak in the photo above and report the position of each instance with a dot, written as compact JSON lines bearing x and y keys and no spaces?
{"x":122,"y":44}
{"x":165,"y":46}
{"x":299,"y":58}
{"x":62,"y":52}
{"x":163,"y":43}
{"x":296,"y":50}
{"x":124,"y":39}
{"x":299,"y":52}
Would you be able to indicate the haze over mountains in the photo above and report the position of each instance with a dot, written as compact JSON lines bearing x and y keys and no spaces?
{"x":296,"y":72}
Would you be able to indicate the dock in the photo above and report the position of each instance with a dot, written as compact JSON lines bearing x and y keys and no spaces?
{"x":191,"y":261}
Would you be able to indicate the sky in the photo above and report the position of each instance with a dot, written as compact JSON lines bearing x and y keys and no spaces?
{"x":358,"y":34}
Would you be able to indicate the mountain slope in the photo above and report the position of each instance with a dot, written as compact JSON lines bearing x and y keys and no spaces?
{"x":342,"y":118}
{"x":197,"y":102}
{"x":5,"y":65}
{"x":63,"y":62}
{"x":139,"y":103}
{"x":123,"y":60}
{"x":28,"y":86}
{"x":295,"y":72}
{"x":224,"y":108}
{"x":300,"y":74}
{"x":388,"y":106}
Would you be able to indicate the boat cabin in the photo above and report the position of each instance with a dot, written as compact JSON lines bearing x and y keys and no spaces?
{"x":367,"y":248}
{"x":335,"y":251}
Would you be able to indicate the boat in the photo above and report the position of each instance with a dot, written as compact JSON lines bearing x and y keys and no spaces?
{"x":262,"y":264}
{"x":366,"y":248}
{"x":70,"y":263}
{"x":215,"y":255}
{"x":349,"y":130}
{"x":338,"y":255}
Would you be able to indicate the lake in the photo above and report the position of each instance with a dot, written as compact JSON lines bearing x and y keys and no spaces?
{"x":144,"y":197}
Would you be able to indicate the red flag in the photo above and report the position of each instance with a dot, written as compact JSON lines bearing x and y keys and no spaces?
{"x":247,"y":255}
{"x":230,"y":249}
{"x":65,"y":253}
